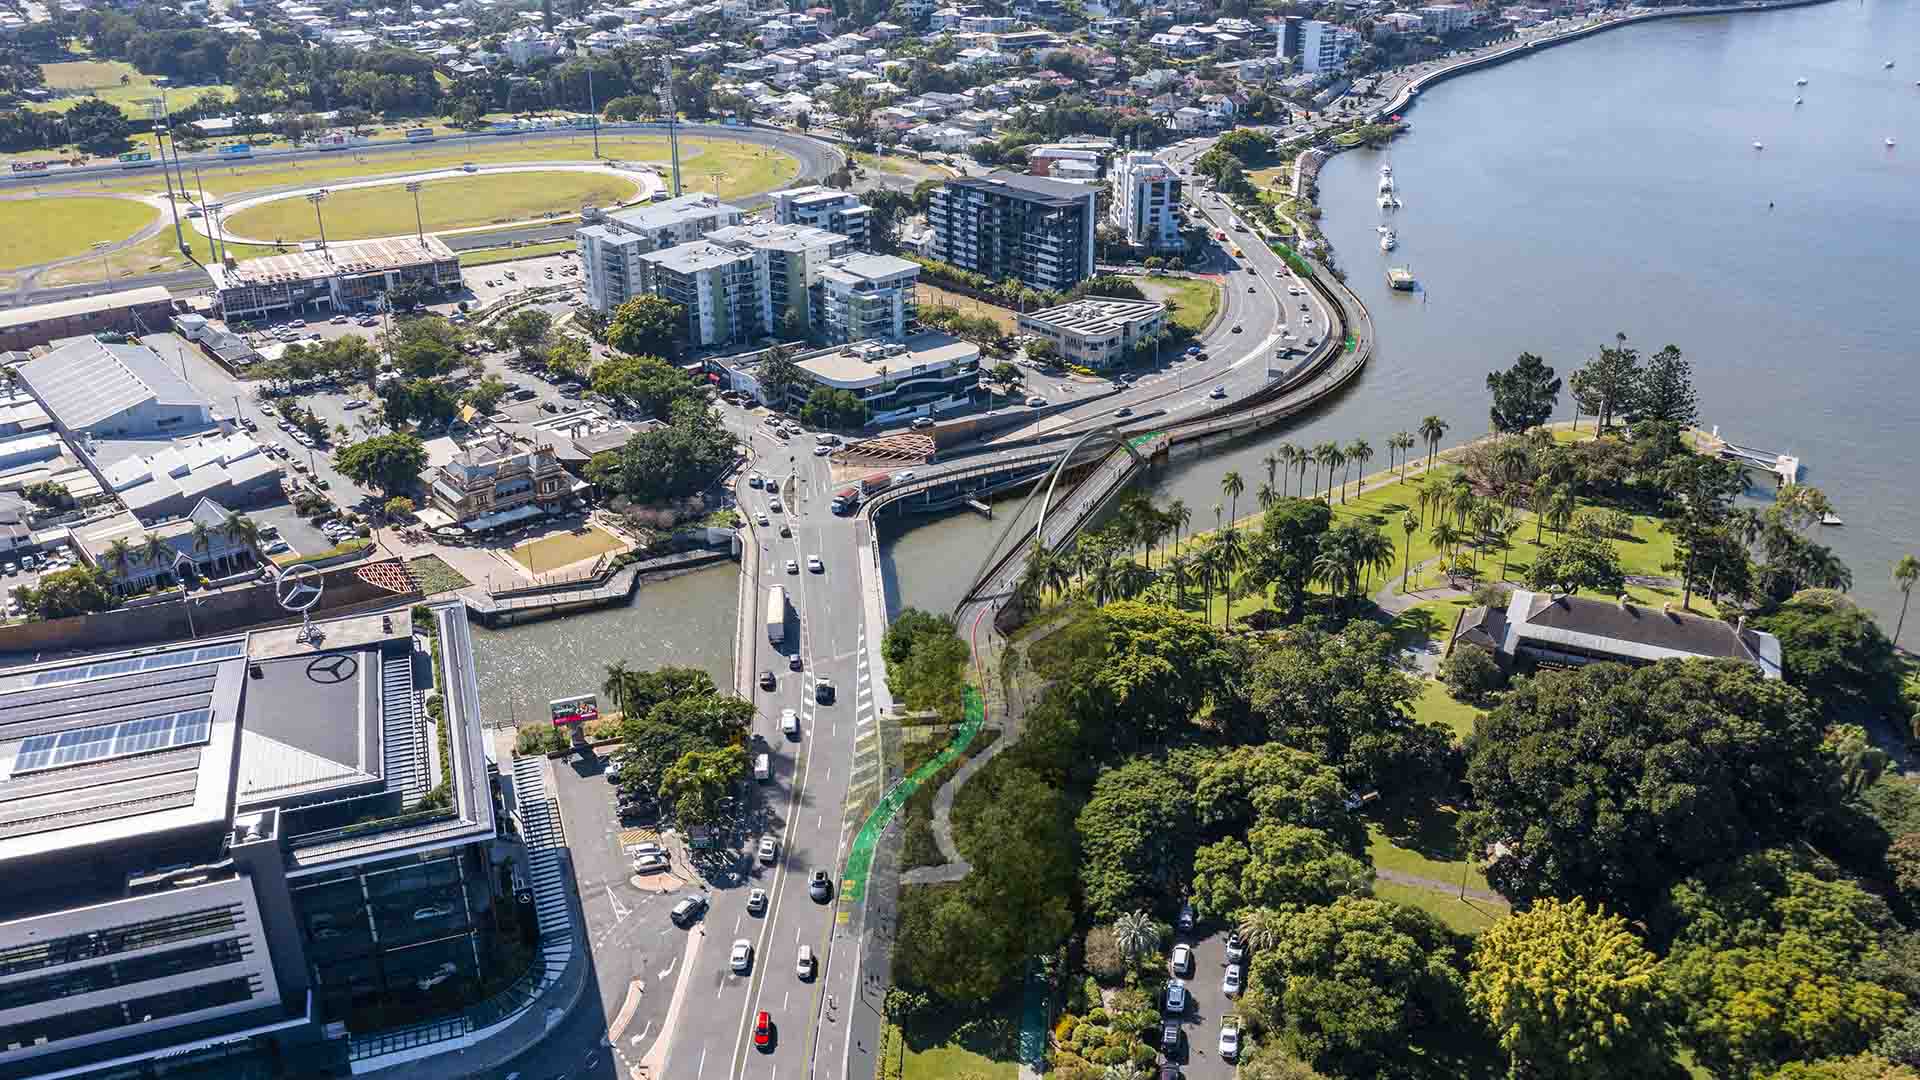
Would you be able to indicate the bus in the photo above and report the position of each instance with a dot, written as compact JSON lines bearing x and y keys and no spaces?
{"x":420,"y":135}
{"x":237,"y":150}
{"x":30,"y":166}
{"x":139,"y":159}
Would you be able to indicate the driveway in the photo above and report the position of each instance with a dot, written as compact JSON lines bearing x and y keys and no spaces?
{"x":1208,"y":1006}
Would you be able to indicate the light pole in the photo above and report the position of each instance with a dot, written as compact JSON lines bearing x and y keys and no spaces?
{"x":104,"y":247}
{"x":592,"y":107}
{"x":419,"y":230}
{"x":212,"y":252}
{"x":213,"y":221}
{"x":157,"y":112}
{"x":316,"y":198}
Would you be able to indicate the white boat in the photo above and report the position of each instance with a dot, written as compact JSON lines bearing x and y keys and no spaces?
{"x":1889,"y":65}
{"x":1386,"y":184}
{"x":1387,"y":240}
{"x":1831,"y":518}
{"x":1801,"y":81}
{"x":1798,"y":101}
{"x":1388,"y":202}
{"x":1889,"y":140}
{"x":1386,"y":170}
{"x":1758,"y":145}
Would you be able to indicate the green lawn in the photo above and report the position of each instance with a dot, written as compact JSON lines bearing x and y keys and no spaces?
{"x":565,"y":549}
{"x":435,"y":575}
{"x":482,"y":199}
{"x":1466,"y":916}
{"x":1192,"y":302}
{"x":488,"y":256}
{"x":156,"y":255}
{"x":34,"y":231}
{"x":1437,"y":705}
{"x":1427,"y":847}
{"x":103,"y":79}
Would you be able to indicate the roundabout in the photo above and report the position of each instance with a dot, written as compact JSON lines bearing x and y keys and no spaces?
{"x":467,"y":199}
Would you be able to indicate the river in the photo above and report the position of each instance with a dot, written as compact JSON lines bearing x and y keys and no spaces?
{"x":1610,"y":185}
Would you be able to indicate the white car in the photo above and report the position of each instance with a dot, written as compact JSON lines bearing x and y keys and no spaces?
{"x":904,"y":476}
{"x":814,"y":565}
{"x":1036,"y":401}
{"x":822,"y":450}
{"x":803,"y":966}
{"x":1218,"y":392}
{"x":757,"y":902}
{"x":754,"y":480}
{"x":774,"y":505}
{"x":741,"y":958}
{"x":793,"y":566}
{"x":769,"y":849}
{"x":1230,"y":1038}
{"x":1233,"y":982}
{"x":762,"y":519}
{"x":1182,"y":962}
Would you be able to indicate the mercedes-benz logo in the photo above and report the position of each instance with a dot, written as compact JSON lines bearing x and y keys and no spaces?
{"x":332,"y":668}
{"x":298,"y":589}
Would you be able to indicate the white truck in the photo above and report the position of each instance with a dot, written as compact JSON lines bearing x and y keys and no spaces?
{"x":777,"y":614}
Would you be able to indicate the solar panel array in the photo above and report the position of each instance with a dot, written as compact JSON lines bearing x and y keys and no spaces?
{"x":172,"y":658}
{"x":104,"y":741}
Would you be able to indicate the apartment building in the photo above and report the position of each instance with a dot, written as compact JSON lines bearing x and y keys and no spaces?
{"x":1005,"y":225}
{"x":1145,"y":194}
{"x":797,"y":257}
{"x":612,"y":242}
{"x":823,"y":208}
{"x":724,"y":289}
{"x":1324,"y":47}
{"x":869,"y":296}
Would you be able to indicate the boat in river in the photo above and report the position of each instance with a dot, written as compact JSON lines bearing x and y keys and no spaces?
{"x":1386,"y":184}
{"x":1387,"y":240}
{"x":1401,"y":278}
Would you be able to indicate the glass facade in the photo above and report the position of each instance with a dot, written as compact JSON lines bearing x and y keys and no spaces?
{"x":58,"y":1025}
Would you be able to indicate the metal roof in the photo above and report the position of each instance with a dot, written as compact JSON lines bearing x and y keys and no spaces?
{"x":86,"y":381}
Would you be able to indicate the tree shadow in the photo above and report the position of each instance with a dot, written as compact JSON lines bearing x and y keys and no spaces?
{"x":1431,"y":829}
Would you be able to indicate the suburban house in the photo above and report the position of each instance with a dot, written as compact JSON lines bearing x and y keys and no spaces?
{"x":1575,"y":630}
{"x":156,"y":554}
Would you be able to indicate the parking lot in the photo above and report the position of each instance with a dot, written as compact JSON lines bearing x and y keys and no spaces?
{"x":503,"y":281}
{"x":1208,"y":1005}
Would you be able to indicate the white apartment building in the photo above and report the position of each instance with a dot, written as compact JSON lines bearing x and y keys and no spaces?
{"x":1145,"y":193}
{"x":611,"y":246}
{"x":869,"y":296}
{"x":1325,"y":47}
{"x":1445,"y":18}
{"x":797,"y":259}
{"x":823,"y":208}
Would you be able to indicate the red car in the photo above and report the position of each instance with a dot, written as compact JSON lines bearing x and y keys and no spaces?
{"x":763,"y":1031}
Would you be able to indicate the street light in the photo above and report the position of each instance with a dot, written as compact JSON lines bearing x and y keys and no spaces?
{"x":419,"y":230}
{"x":316,"y":198}
{"x":104,"y":247}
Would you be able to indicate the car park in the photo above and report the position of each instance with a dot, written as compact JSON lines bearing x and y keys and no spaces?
{"x":803,"y":964}
{"x":820,"y":886}
{"x":740,"y":959}
{"x":769,"y":849}
{"x":687,"y":910}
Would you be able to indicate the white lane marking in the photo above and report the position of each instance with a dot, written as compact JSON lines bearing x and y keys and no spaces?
{"x":703,"y":1063}
{"x":668,"y":971}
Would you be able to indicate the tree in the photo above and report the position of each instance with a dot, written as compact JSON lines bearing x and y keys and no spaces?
{"x":635,"y":693}
{"x":1471,"y":673}
{"x":1348,"y":986}
{"x":1275,"y":1065}
{"x":485,"y":395}
{"x":79,"y":591}
{"x":1231,"y":485}
{"x":669,"y":462}
{"x":778,"y":376}
{"x":423,"y":346}
{"x":1571,"y":993}
{"x":645,"y":384}
{"x":1612,"y":783}
{"x":527,"y":329}
{"x":1905,"y":573}
{"x":1575,"y":563}
{"x":1524,"y":395}
{"x":97,"y":126}
{"x":1857,"y":1067}
{"x":1903,"y":858}
{"x":648,"y":326}
{"x":829,"y":408}
{"x":1835,"y":653}
{"x":1775,"y":958}
{"x":1432,"y":429}
{"x":568,"y":357}
{"x":1136,"y":837}
{"x":1275,"y":866}
{"x":694,"y":786}
{"x":391,"y":463}
{"x":1290,"y":534}
{"x":1666,"y":392}
{"x":398,"y":508}
{"x":1136,"y":935}
{"x":1611,"y":379}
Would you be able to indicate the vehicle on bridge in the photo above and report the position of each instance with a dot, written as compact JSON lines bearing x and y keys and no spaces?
{"x":846,"y":500}
{"x":878,"y":482}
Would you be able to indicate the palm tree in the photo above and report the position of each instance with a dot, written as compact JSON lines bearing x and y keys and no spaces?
{"x":1267,"y":496}
{"x":1101,"y":581}
{"x":1542,"y":499}
{"x":619,"y":684}
{"x":1373,"y":551}
{"x":1333,"y":566}
{"x":1180,"y":569}
{"x":1302,"y":457}
{"x":1410,"y":525}
{"x":120,"y":557}
{"x":1272,"y":462}
{"x":1181,"y":516}
{"x":1323,"y":455}
{"x":1560,"y":511}
{"x":202,"y":538}
{"x":1125,"y":1070}
{"x":1336,"y":459}
{"x":155,"y":553}
{"x":1216,"y":519}
{"x":1130,"y":579}
{"x":241,"y":530}
{"x":1261,"y":927}
{"x":1431,"y":429}
{"x":1233,"y":485}
{"x":1445,"y":535}
{"x":1233,"y":555}
{"x":1135,"y":935}
{"x":1206,"y":570}
{"x":1361,"y":451}
{"x":1905,"y":573}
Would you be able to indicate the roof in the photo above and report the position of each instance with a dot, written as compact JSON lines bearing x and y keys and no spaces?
{"x":1633,"y":632}
{"x":85,"y":305}
{"x":1032,"y":188}
{"x":337,"y":258}
{"x":695,"y":256}
{"x":672,"y":212}
{"x":863,"y":267}
{"x":1096,"y":315}
{"x":85,"y":381}
{"x":777,"y":237}
{"x":857,"y":366}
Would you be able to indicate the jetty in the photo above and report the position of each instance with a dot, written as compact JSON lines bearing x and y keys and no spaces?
{"x":1786,"y":467}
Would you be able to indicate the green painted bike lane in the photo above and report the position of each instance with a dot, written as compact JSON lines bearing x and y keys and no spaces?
{"x":860,"y":855}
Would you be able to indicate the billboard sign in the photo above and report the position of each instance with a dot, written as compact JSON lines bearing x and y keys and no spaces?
{"x":575,"y":710}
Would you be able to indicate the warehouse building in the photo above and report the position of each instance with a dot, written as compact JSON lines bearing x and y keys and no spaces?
{"x":229,"y":468}
{"x":133,"y":311}
{"x":342,"y":276}
{"x":93,"y":389}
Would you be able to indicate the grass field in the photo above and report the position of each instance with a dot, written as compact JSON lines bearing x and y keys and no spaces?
{"x":1192,"y":302}
{"x":1466,"y":916}
{"x":33,"y":231}
{"x":483,"y":199}
{"x":489,"y":256}
{"x":103,"y":79}
{"x":1427,"y":848}
{"x":1437,"y":705}
{"x":435,"y":575}
{"x":564,"y":549}
{"x":156,"y":255}
{"x":967,"y":305}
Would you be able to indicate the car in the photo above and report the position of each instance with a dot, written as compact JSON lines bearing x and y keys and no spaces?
{"x":298,"y":323}
{"x":763,"y":1031}
{"x":762,"y":520}
{"x":468,"y":166}
{"x":754,"y":480}
{"x":794,"y":662}
{"x":1182,"y":962}
{"x":790,"y":723}
{"x":786,"y":530}
{"x":1233,"y":981}
{"x":814,"y":565}
{"x":1186,"y":918}
{"x":1236,"y":328}
{"x":1176,"y":1004}
{"x":1170,"y":1037}
{"x":904,"y":476}
{"x":1303,"y":305}
{"x":741,"y":958}
{"x":277,"y":547}
{"x":823,"y":690}
{"x":338,"y":320}
{"x":769,"y":849}
{"x":1250,"y":288}
{"x":1193,"y":350}
{"x":356,"y":403}
{"x":793,"y":566}
{"x":1218,"y":392}
{"x":803,"y":964}
{"x":766,"y":680}
{"x":822,"y":450}
{"x":774,"y":505}
{"x":431,"y":912}
{"x":657,"y":863}
{"x":1125,"y":410}
{"x":1236,"y":948}
{"x":820,"y":886}
{"x":1230,"y":1038}
{"x":924,"y":422}
{"x":757,"y":902}
{"x":1036,"y":401}
{"x":687,"y":910}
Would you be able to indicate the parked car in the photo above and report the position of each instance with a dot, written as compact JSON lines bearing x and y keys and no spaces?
{"x":1236,"y":948}
{"x":1233,"y":981}
{"x":431,"y":912}
{"x":1230,"y":1038}
{"x":1176,"y":1004}
{"x":1182,"y":962}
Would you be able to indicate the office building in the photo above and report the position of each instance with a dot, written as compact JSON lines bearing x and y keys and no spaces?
{"x":869,"y":296}
{"x":1036,"y":231}
{"x":1097,"y":331}
{"x":721,"y":287}
{"x":796,"y":257}
{"x":823,"y":208}
{"x":134,"y":311}
{"x":343,"y":276}
{"x":1324,"y":47}
{"x":229,"y":857}
{"x":90,"y":388}
{"x":611,"y":244}
{"x":1145,"y":194}
{"x":925,"y":374}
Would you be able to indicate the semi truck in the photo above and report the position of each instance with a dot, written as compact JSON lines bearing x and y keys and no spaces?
{"x":777,"y":614}
{"x":846,"y":500}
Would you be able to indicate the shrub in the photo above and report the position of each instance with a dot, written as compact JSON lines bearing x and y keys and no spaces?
{"x":538,"y":739}
{"x":1490,"y":595}
{"x":1103,"y":955}
{"x":1471,"y":674}
{"x":1063,"y":1031}
{"x":1903,"y":858}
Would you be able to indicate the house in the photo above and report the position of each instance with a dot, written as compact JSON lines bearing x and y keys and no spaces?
{"x":496,"y":481}
{"x":155,"y":555}
{"x":1575,"y":630}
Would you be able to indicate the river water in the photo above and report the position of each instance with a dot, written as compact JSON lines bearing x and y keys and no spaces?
{"x":1610,"y":185}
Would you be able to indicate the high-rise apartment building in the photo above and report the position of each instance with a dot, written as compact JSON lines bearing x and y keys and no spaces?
{"x":823,"y":208}
{"x":869,"y":296}
{"x":1145,"y":193}
{"x":1036,"y":231}
{"x":613,"y":242}
{"x":1325,"y":47}
{"x":722,"y":287}
{"x":797,"y":256}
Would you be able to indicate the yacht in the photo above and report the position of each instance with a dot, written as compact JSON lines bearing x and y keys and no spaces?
{"x":1799,"y":101}
{"x":1889,"y":65}
{"x":1758,"y":145}
{"x":1386,"y":169}
{"x":1386,"y":184}
{"x":1889,"y":140}
{"x":1801,"y":81}
{"x":1387,"y":240}
{"x":1388,"y":202}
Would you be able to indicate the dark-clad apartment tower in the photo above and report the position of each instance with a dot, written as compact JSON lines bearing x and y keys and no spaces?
{"x":1036,"y":231}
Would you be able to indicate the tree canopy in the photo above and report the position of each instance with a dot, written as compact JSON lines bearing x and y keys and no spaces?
{"x":391,"y":462}
{"x":1524,"y":395}
{"x":645,"y":384}
{"x":648,"y":326}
